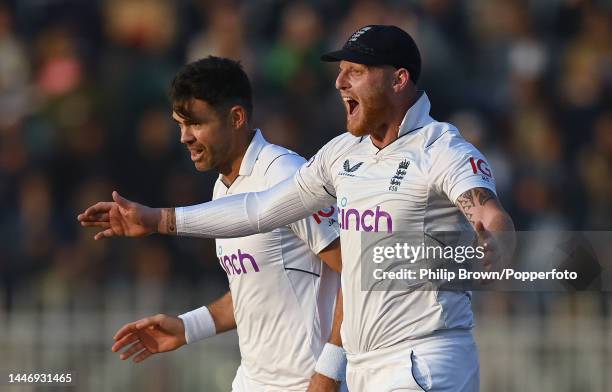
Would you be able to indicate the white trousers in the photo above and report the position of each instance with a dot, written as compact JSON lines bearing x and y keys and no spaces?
{"x":446,"y":361}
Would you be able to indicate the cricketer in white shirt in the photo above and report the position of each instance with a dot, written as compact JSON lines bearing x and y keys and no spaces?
{"x":382,"y":331}
{"x":283,"y":294}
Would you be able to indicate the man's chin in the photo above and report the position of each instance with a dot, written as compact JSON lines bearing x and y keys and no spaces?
{"x":356,"y":130}
{"x":202,"y":166}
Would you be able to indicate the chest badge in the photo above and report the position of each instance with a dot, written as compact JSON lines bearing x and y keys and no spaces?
{"x":397,"y":178}
{"x":348,"y":169}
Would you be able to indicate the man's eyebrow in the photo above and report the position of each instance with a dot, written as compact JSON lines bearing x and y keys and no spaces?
{"x":192,"y":121}
{"x":186,"y":120}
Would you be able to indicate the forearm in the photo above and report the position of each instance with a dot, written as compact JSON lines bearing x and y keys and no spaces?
{"x":497,"y":221}
{"x":335,"y":337}
{"x":481,"y":207}
{"x":243,"y":214}
{"x":331,"y":364}
{"x":501,"y":226}
{"x":209,"y":320}
{"x":222,"y":312}
{"x":332,"y":255}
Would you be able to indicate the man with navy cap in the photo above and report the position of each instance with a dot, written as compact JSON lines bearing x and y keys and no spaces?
{"x":395,"y":170}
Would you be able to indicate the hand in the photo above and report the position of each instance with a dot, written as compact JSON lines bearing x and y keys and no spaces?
{"x":321,"y":383}
{"x":493,"y":249}
{"x":151,"y":335}
{"x":120,"y":218}
{"x":484,"y":239}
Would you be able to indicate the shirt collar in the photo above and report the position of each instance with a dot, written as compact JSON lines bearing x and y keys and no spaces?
{"x":417,"y":116}
{"x":252,"y":153}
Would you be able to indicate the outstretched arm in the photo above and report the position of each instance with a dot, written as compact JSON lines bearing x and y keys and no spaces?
{"x":233,"y":216}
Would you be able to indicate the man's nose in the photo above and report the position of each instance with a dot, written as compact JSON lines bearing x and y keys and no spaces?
{"x":342,"y":81}
{"x":186,"y":134}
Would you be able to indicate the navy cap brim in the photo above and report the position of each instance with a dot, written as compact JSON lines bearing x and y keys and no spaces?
{"x":353,"y":57}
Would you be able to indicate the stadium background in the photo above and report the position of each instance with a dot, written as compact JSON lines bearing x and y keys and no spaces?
{"x":83,"y":111}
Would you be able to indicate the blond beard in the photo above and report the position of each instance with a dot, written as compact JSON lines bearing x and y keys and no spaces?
{"x":372,"y":118}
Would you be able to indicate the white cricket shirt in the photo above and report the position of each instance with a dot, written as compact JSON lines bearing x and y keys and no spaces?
{"x":283,"y":294}
{"x":410,"y":185}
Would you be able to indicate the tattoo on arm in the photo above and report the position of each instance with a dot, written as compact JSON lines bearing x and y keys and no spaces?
{"x":473,"y":198}
{"x":168,"y":221}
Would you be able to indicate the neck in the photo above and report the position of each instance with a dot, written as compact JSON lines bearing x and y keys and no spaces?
{"x":230,"y":170}
{"x":388,"y":132}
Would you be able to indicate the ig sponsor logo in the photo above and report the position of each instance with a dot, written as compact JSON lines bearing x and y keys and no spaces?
{"x":325,"y":214}
{"x":480,"y":165}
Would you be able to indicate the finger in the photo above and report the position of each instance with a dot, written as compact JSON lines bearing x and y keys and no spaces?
{"x":136,"y":325}
{"x":149,"y":321}
{"x":122,"y":201}
{"x":126,"y":329}
{"x":97,"y":217}
{"x":100,"y":217}
{"x":135,"y":348}
{"x":481,"y":231}
{"x":121,"y":343}
{"x":103,"y":225}
{"x":104,"y":234}
{"x":142,"y":356}
{"x":98,"y":208}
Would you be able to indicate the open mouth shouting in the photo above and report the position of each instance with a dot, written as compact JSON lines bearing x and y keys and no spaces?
{"x":352,"y":105}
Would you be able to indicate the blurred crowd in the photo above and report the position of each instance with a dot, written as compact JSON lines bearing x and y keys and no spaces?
{"x":84,"y":111}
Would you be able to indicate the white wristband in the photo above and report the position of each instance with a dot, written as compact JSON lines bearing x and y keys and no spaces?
{"x":199,"y":324}
{"x":332,"y":362}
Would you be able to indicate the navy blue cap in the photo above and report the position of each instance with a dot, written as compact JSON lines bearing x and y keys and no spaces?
{"x":380,"y":45}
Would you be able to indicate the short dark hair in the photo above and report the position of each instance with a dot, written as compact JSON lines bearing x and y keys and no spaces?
{"x":220,"y":82}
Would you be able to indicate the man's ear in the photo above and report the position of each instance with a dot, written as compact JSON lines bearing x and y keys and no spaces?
{"x":238,"y":116}
{"x":401,"y":79}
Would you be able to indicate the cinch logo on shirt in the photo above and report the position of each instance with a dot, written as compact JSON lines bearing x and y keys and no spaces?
{"x":233,"y":264}
{"x":367,"y":220}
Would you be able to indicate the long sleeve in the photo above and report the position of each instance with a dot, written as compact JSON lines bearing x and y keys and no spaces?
{"x":247,"y":213}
